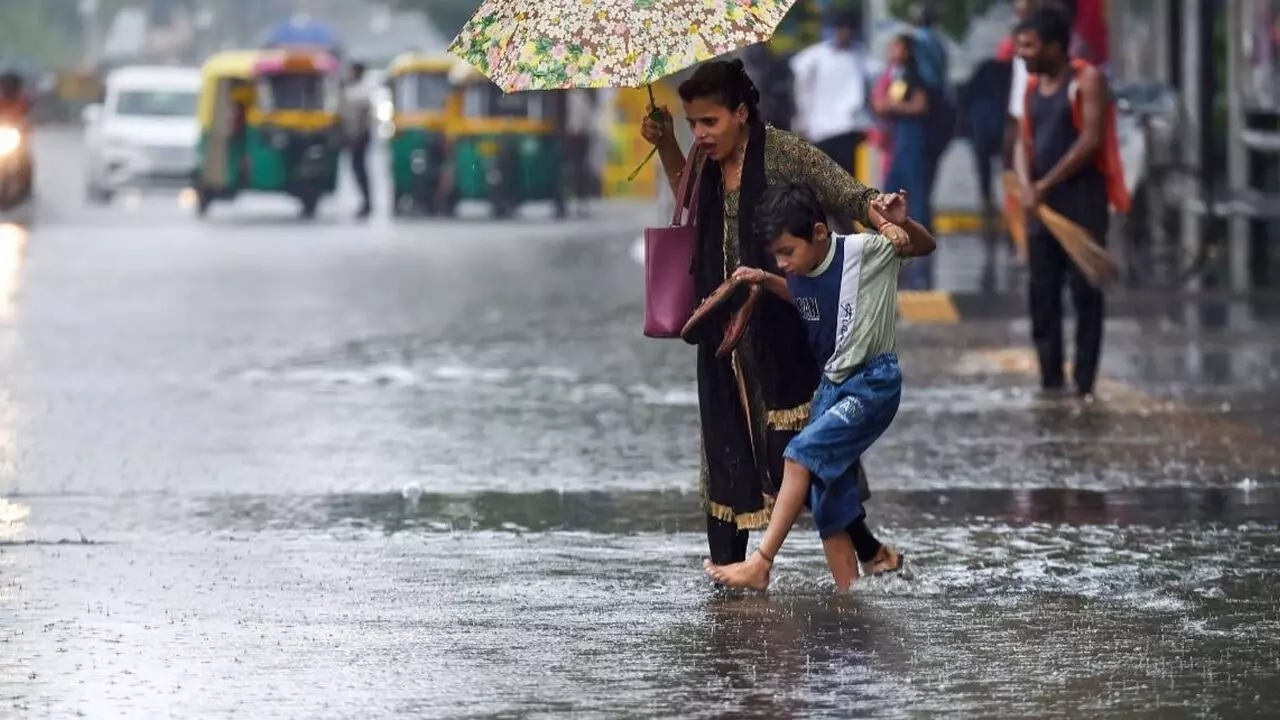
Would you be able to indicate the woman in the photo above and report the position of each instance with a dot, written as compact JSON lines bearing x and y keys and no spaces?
{"x":882,"y":134}
{"x":754,"y":402}
{"x":906,"y":107}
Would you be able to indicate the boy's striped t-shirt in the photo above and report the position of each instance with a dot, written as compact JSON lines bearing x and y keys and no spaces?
{"x":850,"y":302}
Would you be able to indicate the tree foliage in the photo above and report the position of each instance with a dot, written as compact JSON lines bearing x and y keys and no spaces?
{"x":448,"y":15}
{"x":26,"y":36}
{"x":954,"y":16}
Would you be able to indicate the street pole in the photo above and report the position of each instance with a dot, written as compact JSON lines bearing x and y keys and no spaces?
{"x":1237,"y":152}
{"x":1191,"y":140}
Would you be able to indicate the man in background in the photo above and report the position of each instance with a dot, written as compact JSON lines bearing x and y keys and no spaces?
{"x":1062,"y":162}
{"x":580,"y":119}
{"x":357,"y":121}
{"x":1018,"y":87}
{"x":832,"y":79}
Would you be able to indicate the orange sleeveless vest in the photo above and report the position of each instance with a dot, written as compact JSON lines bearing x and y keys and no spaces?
{"x":1108,"y":157}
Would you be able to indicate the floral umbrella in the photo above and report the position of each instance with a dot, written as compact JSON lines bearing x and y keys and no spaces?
{"x":562,"y":44}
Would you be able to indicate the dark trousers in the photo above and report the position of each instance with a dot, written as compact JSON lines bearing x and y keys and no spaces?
{"x":360,"y":166}
{"x":843,"y":149}
{"x":1051,"y":268}
{"x":577,"y":152}
{"x":728,"y":544}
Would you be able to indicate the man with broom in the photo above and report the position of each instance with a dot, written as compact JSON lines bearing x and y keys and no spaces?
{"x":1068,"y":167}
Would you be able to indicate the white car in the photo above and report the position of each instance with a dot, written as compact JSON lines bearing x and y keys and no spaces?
{"x":145,"y":132}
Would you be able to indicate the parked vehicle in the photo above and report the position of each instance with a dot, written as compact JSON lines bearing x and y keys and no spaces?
{"x":424,"y":104}
{"x":269,"y":122}
{"x":144,"y":133}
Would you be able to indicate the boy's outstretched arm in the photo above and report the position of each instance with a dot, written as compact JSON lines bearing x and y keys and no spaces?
{"x":775,"y":284}
{"x":920,"y":241}
{"x":910,"y":237}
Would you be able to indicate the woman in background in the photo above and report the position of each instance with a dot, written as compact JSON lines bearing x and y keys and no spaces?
{"x":905,"y":105}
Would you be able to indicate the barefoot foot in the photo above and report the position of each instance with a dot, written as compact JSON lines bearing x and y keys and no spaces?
{"x":888,"y":560}
{"x":750,"y":573}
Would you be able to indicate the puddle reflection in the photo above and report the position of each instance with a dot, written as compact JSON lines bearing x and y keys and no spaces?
{"x":625,"y":512}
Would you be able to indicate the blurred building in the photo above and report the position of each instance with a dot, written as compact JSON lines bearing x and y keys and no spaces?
{"x":1223,"y":58}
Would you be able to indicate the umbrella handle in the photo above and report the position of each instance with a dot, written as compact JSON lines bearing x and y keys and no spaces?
{"x":636,"y":173}
{"x":655,"y":116}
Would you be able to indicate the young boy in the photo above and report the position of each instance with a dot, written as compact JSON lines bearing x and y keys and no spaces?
{"x":846,"y":289}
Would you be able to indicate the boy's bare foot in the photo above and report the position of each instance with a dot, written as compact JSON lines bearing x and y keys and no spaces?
{"x":887,"y":560}
{"x":751,"y":573}
{"x":842,"y":560}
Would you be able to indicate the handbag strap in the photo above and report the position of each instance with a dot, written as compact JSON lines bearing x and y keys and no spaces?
{"x":695,"y":158}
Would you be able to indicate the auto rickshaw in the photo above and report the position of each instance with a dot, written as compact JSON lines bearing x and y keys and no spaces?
{"x":424,"y":102}
{"x":269,"y":123}
{"x":505,"y":148}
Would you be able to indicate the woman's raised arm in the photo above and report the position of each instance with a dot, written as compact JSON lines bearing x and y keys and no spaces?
{"x":840,"y":193}
{"x":658,"y":128}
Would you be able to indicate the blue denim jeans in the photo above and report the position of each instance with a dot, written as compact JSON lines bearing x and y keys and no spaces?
{"x":845,"y":421}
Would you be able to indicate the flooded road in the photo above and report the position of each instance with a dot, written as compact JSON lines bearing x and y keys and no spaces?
{"x":251,"y":468}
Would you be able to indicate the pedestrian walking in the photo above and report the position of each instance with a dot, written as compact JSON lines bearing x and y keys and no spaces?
{"x":580,"y":119}
{"x":358,"y":125}
{"x":832,"y":80}
{"x":906,"y":107}
{"x":1067,"y":158}
{"x":846,"y":289}
{"x":753,"y":401}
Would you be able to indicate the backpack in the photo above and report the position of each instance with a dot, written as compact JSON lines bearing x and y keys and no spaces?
{"x":1108,"y":158}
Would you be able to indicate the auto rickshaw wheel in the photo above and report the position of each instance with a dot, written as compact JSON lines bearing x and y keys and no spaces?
{"x":309,"y":205}
{"x":561,"y":205}
{"x":449,"y":208}
{"x":504,"y":208}
{"x":98,"y":195}
{"x":203,"y":200}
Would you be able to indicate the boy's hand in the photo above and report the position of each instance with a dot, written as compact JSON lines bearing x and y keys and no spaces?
{"x":896,"y":235}
{"x":750,"y":275}
{"x":892,"y":207}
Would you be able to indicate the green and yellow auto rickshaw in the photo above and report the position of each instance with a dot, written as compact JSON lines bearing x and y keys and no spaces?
{"x":269,"y":123}
{"x":505,"y":148}
{"x":424,"y":102}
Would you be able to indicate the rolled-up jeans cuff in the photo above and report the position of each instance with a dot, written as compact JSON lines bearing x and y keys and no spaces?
{"x":813,"y":466}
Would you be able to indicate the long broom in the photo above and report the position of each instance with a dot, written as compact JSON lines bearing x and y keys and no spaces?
{"x":1095,"y":263}
{"x":1093,"y":260}
{"x":1015,"y":217}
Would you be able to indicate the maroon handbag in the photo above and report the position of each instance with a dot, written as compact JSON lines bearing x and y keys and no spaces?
{"x":669,"y":297}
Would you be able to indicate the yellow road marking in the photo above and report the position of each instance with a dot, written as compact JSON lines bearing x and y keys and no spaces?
{"x":927,"y":307}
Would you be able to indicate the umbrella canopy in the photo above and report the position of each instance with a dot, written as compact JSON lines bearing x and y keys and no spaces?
{"x":302,"y":32}
{"x":561,"y":44}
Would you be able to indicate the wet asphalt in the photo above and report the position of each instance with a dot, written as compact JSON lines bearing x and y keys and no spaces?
{"x":251,"y":467}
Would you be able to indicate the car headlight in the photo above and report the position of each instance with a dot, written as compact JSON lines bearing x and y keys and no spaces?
{"x":10,"y":141}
